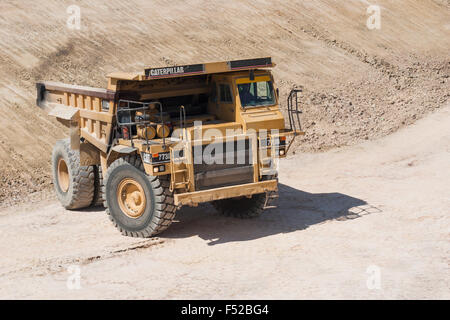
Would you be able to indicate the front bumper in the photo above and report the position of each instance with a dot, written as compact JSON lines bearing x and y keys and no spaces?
{"x":193,"y":198}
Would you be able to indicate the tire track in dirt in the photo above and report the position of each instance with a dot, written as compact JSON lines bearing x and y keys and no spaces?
{"x":42,"y":267}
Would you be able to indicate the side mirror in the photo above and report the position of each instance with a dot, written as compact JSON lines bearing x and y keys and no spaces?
{"x":278,"y":93}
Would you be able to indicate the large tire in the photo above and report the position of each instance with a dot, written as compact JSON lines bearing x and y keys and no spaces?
{"x":241,"y":207}
{"x":246,"y":208}
{"x":99,"y":198}
{"x":137,"y":204}
{"x":74,"y":184}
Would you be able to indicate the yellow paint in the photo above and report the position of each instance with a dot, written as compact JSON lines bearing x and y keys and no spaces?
{"x":96,"y":125}
{"x":257,"y":79}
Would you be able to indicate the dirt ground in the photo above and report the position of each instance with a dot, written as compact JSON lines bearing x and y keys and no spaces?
{"x":380,"y":205}
{"x":365,"y":190}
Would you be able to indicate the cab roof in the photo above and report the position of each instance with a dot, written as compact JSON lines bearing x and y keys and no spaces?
{"x":195,"y":69}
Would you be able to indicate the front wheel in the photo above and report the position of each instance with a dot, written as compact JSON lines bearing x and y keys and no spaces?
{"x":138,"y":205}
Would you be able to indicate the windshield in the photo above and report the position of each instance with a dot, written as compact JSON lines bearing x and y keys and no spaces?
{"x":258,"y":93}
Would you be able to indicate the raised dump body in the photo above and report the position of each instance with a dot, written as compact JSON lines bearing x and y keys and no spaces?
{"x":173,"y":136}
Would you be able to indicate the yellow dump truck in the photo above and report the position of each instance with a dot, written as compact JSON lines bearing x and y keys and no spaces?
{"x":154,"y":141}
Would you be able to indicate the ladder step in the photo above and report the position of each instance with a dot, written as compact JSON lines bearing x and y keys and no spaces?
{"x":268,"y":171}
{"x":265,"y":160}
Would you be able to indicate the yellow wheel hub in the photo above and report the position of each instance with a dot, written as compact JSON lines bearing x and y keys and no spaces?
{"x":131,"y":198}
{"x":63,"y":175}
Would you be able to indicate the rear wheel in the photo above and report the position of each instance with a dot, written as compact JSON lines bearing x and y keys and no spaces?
{"x":138,"y":205}
{"x":74,"y":184}
{"x":98,"y":186}
{"x":246,"y":208}
{"x":242,"y":207}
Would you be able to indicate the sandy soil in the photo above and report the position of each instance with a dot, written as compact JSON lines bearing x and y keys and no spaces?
{"x":379,"y":204}
{"x":367,"y":187}
{"x":358,"y":83}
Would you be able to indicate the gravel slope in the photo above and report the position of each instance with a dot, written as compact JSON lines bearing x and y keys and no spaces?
{"x":358,"y":83}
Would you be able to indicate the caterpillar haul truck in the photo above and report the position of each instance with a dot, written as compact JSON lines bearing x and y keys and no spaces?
{"x":154,"y":141}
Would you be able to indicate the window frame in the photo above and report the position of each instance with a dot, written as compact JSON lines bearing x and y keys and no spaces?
{"x":236,"y":81}
{"x":230,"y":91}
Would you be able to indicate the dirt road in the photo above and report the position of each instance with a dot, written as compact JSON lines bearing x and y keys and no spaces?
{"x":343,"y":216}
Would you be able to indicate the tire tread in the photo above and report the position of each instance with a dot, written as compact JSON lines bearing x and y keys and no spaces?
{"x":82,"y":178}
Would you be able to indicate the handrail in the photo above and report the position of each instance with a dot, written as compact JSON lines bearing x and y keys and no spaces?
{"x":144,"y":120}
{"x":182,"y":121}
{"x":293,"y":111}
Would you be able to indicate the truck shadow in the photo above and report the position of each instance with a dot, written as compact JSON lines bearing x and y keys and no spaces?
{"x":297,"y":210}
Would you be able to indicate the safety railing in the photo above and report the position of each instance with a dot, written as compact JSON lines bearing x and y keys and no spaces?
{"x":293,"y":111}
{"x":137,"y":113}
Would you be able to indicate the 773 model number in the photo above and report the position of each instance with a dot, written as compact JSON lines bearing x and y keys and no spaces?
{"x":156,"y":158}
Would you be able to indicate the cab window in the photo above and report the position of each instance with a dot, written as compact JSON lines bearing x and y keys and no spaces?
{"x":259,"y":93}
{"x":213,"y":94}
{"x":225,"y":93}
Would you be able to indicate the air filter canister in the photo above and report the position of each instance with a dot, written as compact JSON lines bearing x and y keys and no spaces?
{"x":162,"y":131}
{"x":146,"y":132}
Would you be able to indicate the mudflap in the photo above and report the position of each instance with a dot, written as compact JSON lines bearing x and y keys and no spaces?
{"x":271,"y":200}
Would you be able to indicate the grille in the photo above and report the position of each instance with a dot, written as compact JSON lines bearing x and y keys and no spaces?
{"x":223,"y":164}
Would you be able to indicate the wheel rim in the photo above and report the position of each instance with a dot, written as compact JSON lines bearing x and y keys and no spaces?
{"x":131,"y":198}
{"x":63,"y":175}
